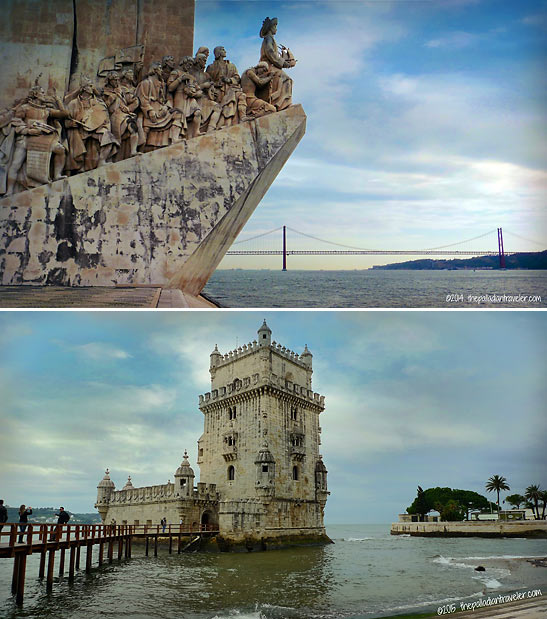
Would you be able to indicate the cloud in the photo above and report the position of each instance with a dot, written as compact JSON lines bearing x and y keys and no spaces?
{"x":100,"y":351}
{"x":454,"y":41}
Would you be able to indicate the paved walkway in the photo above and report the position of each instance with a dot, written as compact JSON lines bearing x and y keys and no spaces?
{"x":28,"y":297}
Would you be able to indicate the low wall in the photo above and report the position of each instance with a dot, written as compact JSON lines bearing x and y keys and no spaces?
{"x":527,"y":528}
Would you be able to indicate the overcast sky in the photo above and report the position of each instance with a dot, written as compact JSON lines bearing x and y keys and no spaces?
{"x":426,"y":122}
{"x":428,"y":398}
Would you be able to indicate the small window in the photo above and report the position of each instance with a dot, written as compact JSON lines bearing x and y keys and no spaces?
{"x":201,"y":452}
{"x":294,"y":413}
{"x":231,"y":473}
{"x":264,"y":468}
{"x":295,"y":473}
{"x":182,"y":483}
{"x":263,"y":336}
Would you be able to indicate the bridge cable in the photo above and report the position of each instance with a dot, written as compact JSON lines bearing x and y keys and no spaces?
{"x":461,"y":242}
{"x":368,"y":249}
{"x":522,"y":237}
{"x":257,"y":236}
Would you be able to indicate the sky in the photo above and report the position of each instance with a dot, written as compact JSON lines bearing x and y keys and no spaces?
{"x":412,"y":398}
{"x":426,"y":124}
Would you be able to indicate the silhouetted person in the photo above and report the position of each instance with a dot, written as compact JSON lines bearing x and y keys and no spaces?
{"x":24,"y":513}
{"x":3,"y":514}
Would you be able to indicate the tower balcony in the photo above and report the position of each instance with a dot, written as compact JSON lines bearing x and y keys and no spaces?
{"x":229,"y":453}
{"x":297,"y":452}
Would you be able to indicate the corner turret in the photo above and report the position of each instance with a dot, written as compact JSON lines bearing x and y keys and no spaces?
{"x":184,"y":478}
{"x":104,"y":491}
{"x":306,"y":357}
{"x":216,"y":357}
{"x":265,"y":471}
{"x":264,"y":335}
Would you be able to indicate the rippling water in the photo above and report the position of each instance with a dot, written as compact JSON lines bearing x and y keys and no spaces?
{"x":377,"y":288}
{"x":365,"y":573}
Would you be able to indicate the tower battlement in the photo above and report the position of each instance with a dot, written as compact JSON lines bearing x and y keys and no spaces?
{"x":246,"y":385}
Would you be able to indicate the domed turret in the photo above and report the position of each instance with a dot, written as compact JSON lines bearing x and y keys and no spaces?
{"x":128,"y":484}
{"x":265,"y":471}
{"x":264,"y":335}
{"x":306,"y":357}
{"x":320,"y":476}
{"x":105,"y":488}
{"x":215,"y":357}
{"x":184,"y":478}
{"x":104,"y":491}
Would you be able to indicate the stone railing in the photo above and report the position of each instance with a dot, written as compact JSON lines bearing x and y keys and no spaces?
{"x":166,"y":492}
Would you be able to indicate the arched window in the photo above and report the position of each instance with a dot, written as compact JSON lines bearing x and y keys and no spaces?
{"x":295,"y":473}
{"x":231,"y":473}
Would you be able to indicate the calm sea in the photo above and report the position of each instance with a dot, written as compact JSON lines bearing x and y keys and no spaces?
{"x":378,"y":288}
{"x":366,"y":573}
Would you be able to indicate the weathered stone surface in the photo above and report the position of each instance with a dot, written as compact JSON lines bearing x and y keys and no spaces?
{"x":166,"y":217}
{"x":63,"y":39}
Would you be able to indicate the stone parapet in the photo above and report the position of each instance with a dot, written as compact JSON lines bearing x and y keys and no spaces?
{"x":252,"y":347}
{"x":248,"y":384}
{"x":162,"y":492}
{"x":530,"y":528}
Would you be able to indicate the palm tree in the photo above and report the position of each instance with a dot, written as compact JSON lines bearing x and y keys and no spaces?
{"x":497,"y":483}
{"x":543,"y":497}
{"x":533,"y":495}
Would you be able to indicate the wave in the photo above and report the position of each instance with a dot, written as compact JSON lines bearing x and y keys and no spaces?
{"x":489,"y":580}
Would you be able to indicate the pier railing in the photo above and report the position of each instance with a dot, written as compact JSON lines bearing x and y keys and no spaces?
{"x":47,"y":539}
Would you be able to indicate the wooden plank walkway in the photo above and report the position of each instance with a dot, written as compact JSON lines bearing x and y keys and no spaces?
{"x":47,"y":539}
{"x":99,"y":297}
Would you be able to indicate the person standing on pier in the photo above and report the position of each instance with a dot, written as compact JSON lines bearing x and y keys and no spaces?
{"x":163,"y":524}
{"x":62,"y":518}
{"x":3,"y":514}
{"x":24,"y":513}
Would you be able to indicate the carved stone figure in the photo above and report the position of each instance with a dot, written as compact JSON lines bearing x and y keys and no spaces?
{"x":123,"y":117}
{"x":252,"y":80}
{"x":279,"y":92}
{"x":210,"y":109}
{"x":223,"y":72}
{"x":32,"y":140}
{"x":203,"y":50}
{"x":158,"y":116}
{"x":167,"y":65}
{"x":185,"y":94}
{"x":90,"y":138}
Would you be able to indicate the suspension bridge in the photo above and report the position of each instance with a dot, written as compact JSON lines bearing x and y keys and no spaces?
{"x":348,"y":250}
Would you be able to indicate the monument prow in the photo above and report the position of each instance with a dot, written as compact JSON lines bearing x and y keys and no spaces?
{"x":166,"y":217}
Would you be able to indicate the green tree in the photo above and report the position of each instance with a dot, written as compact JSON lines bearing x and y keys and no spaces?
{"x":516,"y":500}
{"x":421,"y":505}
{"x":441,"y":496}
{"x":532,"y":494}
{"x":497,"y":483}
{"x":451,"y":511}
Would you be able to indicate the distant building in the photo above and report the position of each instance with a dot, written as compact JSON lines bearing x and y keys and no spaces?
{"x":261,"y":473}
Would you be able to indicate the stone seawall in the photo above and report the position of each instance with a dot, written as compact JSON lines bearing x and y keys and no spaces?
{"x":526,"y":528}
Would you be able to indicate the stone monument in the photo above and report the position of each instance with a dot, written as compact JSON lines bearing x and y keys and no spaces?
{"x":263,"y":482}
{"x":143,"y":171}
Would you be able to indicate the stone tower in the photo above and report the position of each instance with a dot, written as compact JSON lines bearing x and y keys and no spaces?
{"x":261,"y":440}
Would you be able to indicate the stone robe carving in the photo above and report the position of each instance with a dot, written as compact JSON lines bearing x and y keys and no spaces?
{"x":90,"y":138}
{"x":279,"y":92}
{"x":31,"y":140}
{"x":123,"y":117}
{"x":158,"y":116}
{"x":252,"y":80}
{"x":227,"y":83}
{"x":210,"y":109}
{"x":185,"y":95}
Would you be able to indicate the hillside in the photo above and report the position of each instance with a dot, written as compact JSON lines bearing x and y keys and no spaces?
{"x":530,"y":260}
{"x":46,"y":515}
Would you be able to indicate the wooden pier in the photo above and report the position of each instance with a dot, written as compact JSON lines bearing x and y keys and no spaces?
{"x":47,"y":539}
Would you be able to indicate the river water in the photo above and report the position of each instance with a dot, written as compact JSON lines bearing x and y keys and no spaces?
{"x":365,"y":573}
{"x":379,"y":288}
